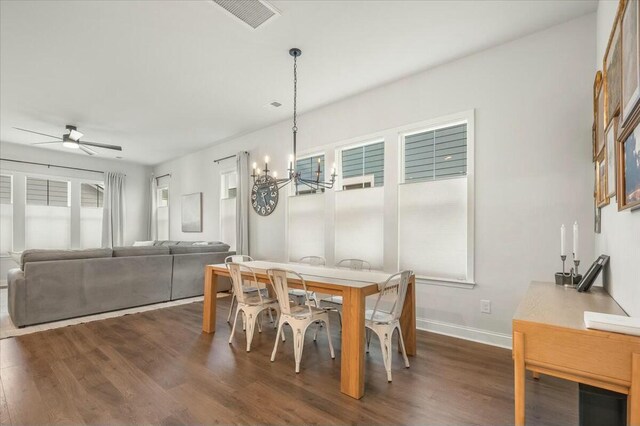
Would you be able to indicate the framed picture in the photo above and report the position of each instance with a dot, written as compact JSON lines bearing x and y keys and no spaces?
{"x":192,"y":212}
{"x":612,"y":74}
{"x":597,"y":216}
{"x":599,"y":142}
{"x":601,"y":180}
{"x":611,"y":136}
{"x":629,"y":165}
{"x":630,"y":59}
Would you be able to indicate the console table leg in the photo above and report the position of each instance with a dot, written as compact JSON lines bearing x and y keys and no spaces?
{"x":519,"y":376}
{"x":633,"y":400}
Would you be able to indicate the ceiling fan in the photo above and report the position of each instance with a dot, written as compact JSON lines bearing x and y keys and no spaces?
{"x":72,"y":140}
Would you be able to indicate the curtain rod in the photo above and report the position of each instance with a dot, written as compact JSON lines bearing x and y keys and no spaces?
{"x":227,"y":157}
{"x":50,"y":165}
{"x":164,"y":175}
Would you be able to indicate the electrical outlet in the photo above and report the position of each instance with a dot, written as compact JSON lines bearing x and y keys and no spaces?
{"x":485,"y":306}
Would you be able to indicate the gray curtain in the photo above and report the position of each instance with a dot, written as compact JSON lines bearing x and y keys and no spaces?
{"x":113,"y":211}
{"x":242,"y":203}
{"x":152,"y":232}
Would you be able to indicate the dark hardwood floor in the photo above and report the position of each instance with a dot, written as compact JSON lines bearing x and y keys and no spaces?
{"x":157,"y":367}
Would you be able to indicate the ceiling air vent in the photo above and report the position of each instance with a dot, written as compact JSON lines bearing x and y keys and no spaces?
{"x":252,"y":12}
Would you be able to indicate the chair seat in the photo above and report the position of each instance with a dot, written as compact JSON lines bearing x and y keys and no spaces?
{"x":255,"y":300}
{"x":302,"y":311}
{"x":380,"y":317}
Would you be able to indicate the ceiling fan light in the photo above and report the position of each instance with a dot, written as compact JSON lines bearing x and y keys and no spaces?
{"x":69,"y":144}
{"x":75,"y":135}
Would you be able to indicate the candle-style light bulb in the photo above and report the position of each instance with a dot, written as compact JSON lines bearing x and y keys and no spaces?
{"x":266,"y":159}
{"x":563,"y":233}
{"x":275,"y":174}
{"x":258,"y":171}
{"x":576,"y":240}
{"x":255,"y":165}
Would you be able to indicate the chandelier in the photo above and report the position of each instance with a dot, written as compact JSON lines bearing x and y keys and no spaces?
{"x":312,"y":183}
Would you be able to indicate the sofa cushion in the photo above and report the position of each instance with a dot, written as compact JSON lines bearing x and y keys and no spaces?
{"x":143,"y":243}
{"x":34,"y":255}
{"x":193,"y":243}
{"x":165,"y":243}
{"x":212,"y":248}
{"x":140,"y":251}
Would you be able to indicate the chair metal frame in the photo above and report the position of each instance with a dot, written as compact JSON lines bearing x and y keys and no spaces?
{"x":313,"y":261}
{"x":354,"y":264}
{"x":240,"y":258}
{"x":335,"y":302}
{"x":384,"y":323}
{"x":250,"y":304}
{"x":298,"y":317}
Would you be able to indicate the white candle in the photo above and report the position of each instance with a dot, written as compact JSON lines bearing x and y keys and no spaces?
{"x":266,"y":159}
{"x":575,"y":240}
{"x":275,"y":175}
{"x":562,"y":239}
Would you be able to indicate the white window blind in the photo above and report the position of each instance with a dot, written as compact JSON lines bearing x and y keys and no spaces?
{"x":306,"y":226}
{"x":308,"y":169}
{"x":436,"y":154}
{"x":91,"y":204}
{"x":163,"y":213}
{"x":363,"y":164}
{"x":47,"y":214}
{"x":228,"y":182}
{"x":6,"y":214}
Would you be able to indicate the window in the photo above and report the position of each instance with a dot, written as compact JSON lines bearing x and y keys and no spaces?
{"x":6,"y":213}
{"x":92,"y":195}
{"x":435,"y":234}
{"x":91,"y":204}
{"x":45,"y":192}
{"x":436,"y":154}
{"x":47,"y":214}
{"x":363,"y":166}
{"x":228,"y":184}
{"x":163,"y":213}
{"x":310,"y":168}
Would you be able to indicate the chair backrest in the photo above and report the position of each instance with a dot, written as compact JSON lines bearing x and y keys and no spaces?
{"x":313,"y":260}
{"x":239,"y":273}
{"x":279,"y":281}
{"x":238,"y":258}
{"x":355,"y":264}
{"x":394,"y":290}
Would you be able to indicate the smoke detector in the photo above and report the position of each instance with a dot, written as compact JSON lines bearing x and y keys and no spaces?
{"x":252,"y":12}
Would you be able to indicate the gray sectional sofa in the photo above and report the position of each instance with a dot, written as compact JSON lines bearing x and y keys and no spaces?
{"x":51,"y":285}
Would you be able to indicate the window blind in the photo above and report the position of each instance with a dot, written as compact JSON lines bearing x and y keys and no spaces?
{"x":44,"y":192}
{"x":436,"y":154}
{"x":5,"y":189}
{"x":91,"y":195}
{"x":364,"y":161}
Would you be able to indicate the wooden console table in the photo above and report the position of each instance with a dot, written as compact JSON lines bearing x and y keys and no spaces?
{"x":550,"y":337}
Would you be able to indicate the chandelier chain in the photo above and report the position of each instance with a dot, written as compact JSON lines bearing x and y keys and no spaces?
{"x":295,"y":93}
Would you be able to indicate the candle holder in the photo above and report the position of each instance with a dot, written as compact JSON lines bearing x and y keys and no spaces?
{"x":563,"y":277}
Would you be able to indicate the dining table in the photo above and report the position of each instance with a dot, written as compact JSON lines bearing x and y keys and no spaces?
{"x":352,"y":285}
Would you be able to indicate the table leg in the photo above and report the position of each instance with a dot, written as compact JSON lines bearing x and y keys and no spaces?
{"x":519,"y":376}
{"x":209,"y":305}
{"x":408,"y":318}
{"x":352,"y":364}
{"x":633,"y":399}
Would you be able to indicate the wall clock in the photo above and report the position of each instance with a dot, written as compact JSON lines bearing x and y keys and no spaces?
{"x":264,"y":195}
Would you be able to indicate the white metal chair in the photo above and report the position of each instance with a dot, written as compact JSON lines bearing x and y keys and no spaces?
{"x":384,"y":322}
{"x":251,"y":304}
{"x":300,"y":294}
{"x":240,"y":258}
{"x":334,"y":303}
{"x":299,"y":317}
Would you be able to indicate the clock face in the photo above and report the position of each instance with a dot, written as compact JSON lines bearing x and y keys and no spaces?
{"x":264,"y":195}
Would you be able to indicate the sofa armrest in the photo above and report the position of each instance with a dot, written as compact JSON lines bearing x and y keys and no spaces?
{"x":17,"y":291}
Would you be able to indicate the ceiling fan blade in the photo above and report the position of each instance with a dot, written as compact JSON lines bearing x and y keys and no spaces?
{"x":42,"y":143}
{"x":101,"y":145}
{"x":38,"y":133}
{"x":87,"y":150}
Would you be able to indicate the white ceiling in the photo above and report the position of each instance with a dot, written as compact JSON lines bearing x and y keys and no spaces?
{"x":163,"y":78}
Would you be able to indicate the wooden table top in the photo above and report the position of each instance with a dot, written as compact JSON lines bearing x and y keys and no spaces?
{"x":321,"y":274}
{"x":553,"y":304}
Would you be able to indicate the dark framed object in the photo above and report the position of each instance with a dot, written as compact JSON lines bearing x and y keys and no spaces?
{"x":628,"y":173}
{"x":590,"y":276}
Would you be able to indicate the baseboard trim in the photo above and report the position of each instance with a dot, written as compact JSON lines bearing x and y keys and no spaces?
{"x":463,"y":332}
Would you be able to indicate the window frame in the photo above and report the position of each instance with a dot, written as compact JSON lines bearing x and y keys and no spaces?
{"x":463,"y":117}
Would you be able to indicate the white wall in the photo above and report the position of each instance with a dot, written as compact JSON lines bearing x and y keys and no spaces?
{"x":532,"y":101}
{"x":137,"y":183}
{"x":620,"y":237}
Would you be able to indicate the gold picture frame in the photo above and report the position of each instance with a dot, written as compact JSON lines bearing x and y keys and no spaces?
{"x":599,"y":116}
{"x":630,"y":77}
{"x":628,"y":164}
{"x":601,"y":180}
{"x":612,"y":70}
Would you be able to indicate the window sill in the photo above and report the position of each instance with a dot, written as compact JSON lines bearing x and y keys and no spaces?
{"x":444,"y":282}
